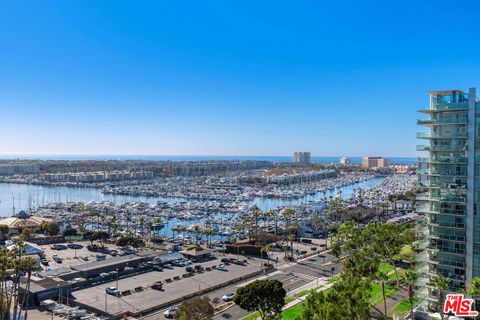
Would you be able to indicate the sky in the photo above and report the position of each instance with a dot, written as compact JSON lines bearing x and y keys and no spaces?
{"x":228,"y":77}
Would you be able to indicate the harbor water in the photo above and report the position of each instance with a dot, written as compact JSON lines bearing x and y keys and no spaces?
{"x":24,"y":196}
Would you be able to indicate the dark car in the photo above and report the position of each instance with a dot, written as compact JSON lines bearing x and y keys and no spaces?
{"x":92,"y":247}
{"x":157,"y":285}
{"x":198,"y":267}
{"x":190,"y":269}
{"x":157,"y":267}
{"x":168,"y":266}
{"x":239,"y":262}
{"x":74,"y":246}
{"x":44,"y":262}
{"x":225,"y":260}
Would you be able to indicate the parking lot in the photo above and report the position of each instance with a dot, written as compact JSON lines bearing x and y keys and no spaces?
{"x":72,"y":257}
{"x":148,"y":298}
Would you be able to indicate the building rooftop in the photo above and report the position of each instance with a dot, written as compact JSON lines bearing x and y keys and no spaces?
{"x":446,"y":92}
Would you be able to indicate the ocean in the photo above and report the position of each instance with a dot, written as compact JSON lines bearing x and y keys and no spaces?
{"x":315,"y":159}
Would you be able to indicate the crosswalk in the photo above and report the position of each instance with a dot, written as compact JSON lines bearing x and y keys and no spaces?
{"x":307,"y":277}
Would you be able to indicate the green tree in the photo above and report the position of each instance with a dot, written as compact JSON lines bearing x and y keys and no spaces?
{"x":348,"y":298}
{"x":26,"y":234}
{"x":28,"y":265}
{"x":195,"y":309}
{"x":291,"y":225}
{"x":409,"y":279}
{"x":4,"y":231}
{"x":383,"y":278}
{"x":440,"y":283}
{"x":265,"y":296}
{"x":52,"y":228}
{"x":69,"y":232}
{"x":215,"y":301}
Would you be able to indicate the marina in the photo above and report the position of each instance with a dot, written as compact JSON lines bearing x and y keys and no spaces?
{"x":188,"y":218}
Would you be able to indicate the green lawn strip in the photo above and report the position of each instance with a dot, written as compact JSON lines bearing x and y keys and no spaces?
{"x":400,"y":272}
{"x":402,"y":307}
{"x":376,"y":293}
{"x":385,"y":267}
{"x":252,"y":316}
{"x":289,"y":299}
{"x":293,"y":312}
{"x":332,"y":279}
{"x":406,"y":253}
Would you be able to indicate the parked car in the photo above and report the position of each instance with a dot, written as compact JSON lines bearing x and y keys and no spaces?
{"x":44,"y":262}
{"x":113,"y":253}
{"x":84,"y":258}
{"x":57,"y":258}
{"x":239,"y":262}
{"x":225,"y":260}
{"x":74,"y":246}
{"x":92,"y":247}
{"x":57,"y":246}
{"x":228,"y":297}
{"x":100,"y":257}
{"x":157,"y":285}
{"x":190,"y":269}
{"x":113,"y":291}
{"x":168,"y":266}
{"x":170,"y":313}
{"x":157,"y":267}
{"x":221,"y":267}
{"x":198,"y":267}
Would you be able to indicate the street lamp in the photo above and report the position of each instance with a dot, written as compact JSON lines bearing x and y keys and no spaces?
{"x":117,"y":279}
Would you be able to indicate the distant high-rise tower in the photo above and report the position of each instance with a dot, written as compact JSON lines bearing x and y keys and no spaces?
{"x":345,"y":160}
{"x":302,"y":157}
{"x":450,"y":175}
{"x":375,"y":162}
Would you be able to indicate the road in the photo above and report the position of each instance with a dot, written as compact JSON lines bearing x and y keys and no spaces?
{"x":292,"y":275}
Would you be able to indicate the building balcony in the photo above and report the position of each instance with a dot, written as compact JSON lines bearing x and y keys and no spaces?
{"x":442,"y":121}
{"x":431,"y":135}
{"x":423,"y":148}
{"x":422,"y":196}
{"x":423,"y":208}
{"x":436,"y":159}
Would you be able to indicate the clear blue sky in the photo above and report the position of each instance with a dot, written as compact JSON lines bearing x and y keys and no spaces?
{"x":228,"y":77}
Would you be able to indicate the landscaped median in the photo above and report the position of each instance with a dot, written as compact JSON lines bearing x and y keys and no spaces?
{"x":294,"y":304}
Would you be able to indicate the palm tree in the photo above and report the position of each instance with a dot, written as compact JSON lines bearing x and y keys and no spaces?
{"x":440,"y":283}
{"x":197,"y":230}
{"x":326,"y":228}
{"x":291,"y":225}
{"x":29,"y":264}
{"x":256,"y":213}
{"x":410,"y":278}
{"x":141,"y":220}
{"x":128,"y":219}
{"x":266,"y":248}
{"x":383,"y":278}
{"x":475,"y":286}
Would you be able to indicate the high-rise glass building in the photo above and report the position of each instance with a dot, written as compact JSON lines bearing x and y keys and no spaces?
{"x":450,"y":175}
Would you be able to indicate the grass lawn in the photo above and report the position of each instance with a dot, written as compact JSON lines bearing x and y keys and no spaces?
{"x":332,"y":279}
{"x":400,"y":272}
{"x":252,"y":316}
{"x":402,"y":307}
{"x":376,"y":293}
{"x":385,"y":267}
{"x":406,"y":253}
{"x":293,"y":312}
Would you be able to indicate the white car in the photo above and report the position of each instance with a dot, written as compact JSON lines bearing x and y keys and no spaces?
{"x":170,"y":313}
{"x":228,"y":297}
{"x":221,"y":267}
{"x":112,"y":290}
